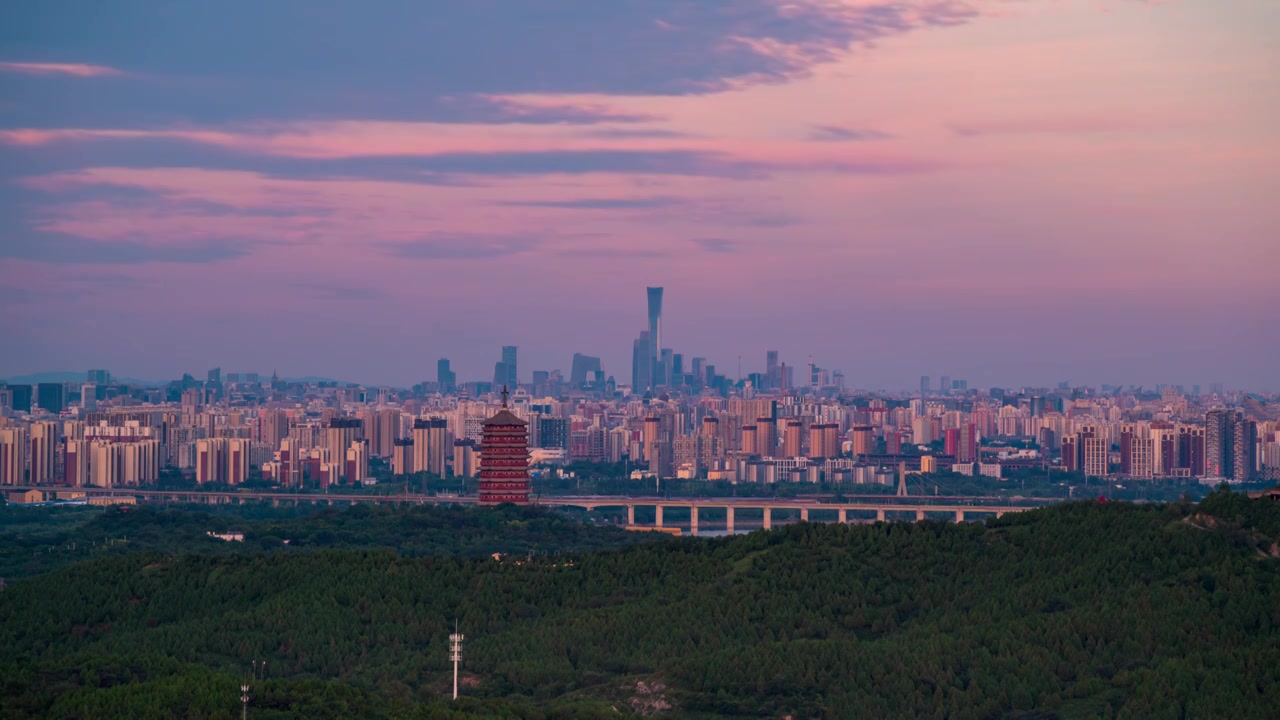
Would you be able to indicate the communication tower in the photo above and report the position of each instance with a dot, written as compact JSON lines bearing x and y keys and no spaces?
{"x":455,"y":655}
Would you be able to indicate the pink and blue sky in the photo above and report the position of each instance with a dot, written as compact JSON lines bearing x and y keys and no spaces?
{"x":1009,"y":191}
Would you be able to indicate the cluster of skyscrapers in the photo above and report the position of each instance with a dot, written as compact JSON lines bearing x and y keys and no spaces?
{"x":671,"y":422}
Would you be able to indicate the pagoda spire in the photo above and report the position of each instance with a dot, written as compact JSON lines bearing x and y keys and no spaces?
{"x":504,"y":396}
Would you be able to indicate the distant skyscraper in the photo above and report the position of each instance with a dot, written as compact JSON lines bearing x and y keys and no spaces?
{"x":655,"y":329}
{"x":509,"y":359}
{"x":944,"y":385}
{"x":13,"y":456}
{"x":642,"y":363}
{"x":773,"y":377}
{"x":98,"y":377}
{"x":1244,"y":449}
{"x":215,"y":375}
{"x":698,"y":369}
{"x":446,"y":378}
{"x":431,"y":446}
{"x":924,"y":385}
{"x":583,"y":369}
{"x":44,"y":450}
{"x":51,"y":397}
{"x":1219,"y":446}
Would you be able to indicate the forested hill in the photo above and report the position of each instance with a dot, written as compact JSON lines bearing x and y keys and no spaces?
{"x":1074,"y":611}
{"x":36,"y":540}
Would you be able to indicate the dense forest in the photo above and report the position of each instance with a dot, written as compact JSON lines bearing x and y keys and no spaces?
{"x":38,"y":539}
{"x":1086,"y":609}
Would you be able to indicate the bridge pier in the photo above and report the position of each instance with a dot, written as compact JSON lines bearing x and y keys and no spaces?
{"x":843,"y":516}
{"x":657,"y":516}
{"x":959,"y":516}
{"x":768,"y":518}
{"x":631,"y":515}
{"x":693,"y":520}
{"x":919,"y":515}
{"x":879,"y":515}
{"x":728,"y":519}
{"x":804,"y":514}
{"x":999,"y":513}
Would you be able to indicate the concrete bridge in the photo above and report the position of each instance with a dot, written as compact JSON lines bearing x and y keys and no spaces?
{"x":804,"y":510}
{"x":727,"y":513}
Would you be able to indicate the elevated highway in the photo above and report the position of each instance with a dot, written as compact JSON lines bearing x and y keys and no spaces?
{"x":727,"y":513}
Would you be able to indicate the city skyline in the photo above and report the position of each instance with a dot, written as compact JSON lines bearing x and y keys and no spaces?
{"x":1010,"y":193}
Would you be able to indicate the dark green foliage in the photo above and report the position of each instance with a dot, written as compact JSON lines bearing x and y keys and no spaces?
{"x":1075,"y":611}
{"x":39,"y":539}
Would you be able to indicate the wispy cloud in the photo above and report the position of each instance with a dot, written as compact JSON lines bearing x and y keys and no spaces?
{"x":464,"y":246}
{"x":71,"y":69}
{"x":837,"y":133}
{"x":1063,"y":125}
{"x":61,"y":249}
{"x":717,"y":245}
{"x":328,"y":291}
{"x":644,"y":203}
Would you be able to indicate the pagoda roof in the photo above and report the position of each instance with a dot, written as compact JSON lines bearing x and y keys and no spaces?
{"x":505,"y":417}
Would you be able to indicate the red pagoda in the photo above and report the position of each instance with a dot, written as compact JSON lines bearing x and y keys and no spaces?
{"x":504,"y":458}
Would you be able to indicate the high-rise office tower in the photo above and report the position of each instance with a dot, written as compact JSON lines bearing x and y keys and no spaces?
{"x":772,"y":375}
{"x":924,"y":385}
{"x":446,"y":378}
{"x":1219,"y":455}
{"x":666,"y":368}
{"x":51,"y":397}
{"x":642,"y":363}
{"x":655,"y":324}
{"x":583,"y":369}
{"x":98,"y":377}
{"x":509,"y":360}
{"x":944,"y":385}
{"x":215,"y":375}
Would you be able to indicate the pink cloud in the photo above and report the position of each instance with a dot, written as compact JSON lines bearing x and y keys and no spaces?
{"x":72,"y":69}
{"x":371,"y":139}
{"x":1066,"y":125}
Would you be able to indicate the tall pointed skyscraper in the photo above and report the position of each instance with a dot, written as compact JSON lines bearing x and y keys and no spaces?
{"x":655,"y":334}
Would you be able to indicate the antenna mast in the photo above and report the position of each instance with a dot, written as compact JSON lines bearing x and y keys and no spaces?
{"x":455,"y":655}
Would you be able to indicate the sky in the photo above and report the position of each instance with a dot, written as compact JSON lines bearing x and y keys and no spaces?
{"x":1014,"y":192}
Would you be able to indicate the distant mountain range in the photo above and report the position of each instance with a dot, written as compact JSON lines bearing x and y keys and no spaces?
{"x":79,"y":377}
{"x":71,"y":377}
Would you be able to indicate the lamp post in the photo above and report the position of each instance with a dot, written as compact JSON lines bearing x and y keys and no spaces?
{"x":244,"y":702}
